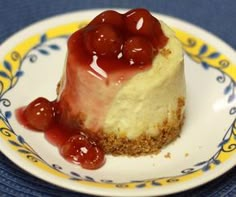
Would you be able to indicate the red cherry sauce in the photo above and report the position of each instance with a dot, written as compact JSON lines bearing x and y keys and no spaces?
{"x":102,"y":56}
{"x":74,"y":145}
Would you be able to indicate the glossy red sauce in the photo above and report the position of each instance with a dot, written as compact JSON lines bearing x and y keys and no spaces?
{"x":102,"y":56}
{"x":74,"y":145}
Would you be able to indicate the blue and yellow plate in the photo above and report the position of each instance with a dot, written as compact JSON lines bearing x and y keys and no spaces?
{"x":31,"y":63}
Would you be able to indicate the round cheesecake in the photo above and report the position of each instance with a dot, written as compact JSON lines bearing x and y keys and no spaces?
{"x":132,"y":103}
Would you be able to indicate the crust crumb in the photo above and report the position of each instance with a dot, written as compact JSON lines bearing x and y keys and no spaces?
{"x":167,"y":155}
{"x":165,"y":52}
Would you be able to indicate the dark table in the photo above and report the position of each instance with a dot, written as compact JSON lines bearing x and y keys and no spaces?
{"x":216,"y":16}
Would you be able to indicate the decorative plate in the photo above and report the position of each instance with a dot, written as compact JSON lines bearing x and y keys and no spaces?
{"x":31,"y":63}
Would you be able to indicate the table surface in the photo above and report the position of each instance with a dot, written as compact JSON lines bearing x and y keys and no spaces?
{"x":216,"y":16}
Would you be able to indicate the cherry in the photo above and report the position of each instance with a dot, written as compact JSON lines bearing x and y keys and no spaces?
{"x":140,"y":22}
{"x":79,"y":149}
{"x":138,"y":50}
{"x":103,"y":40}
{"x":39,"y":114}
{"x":109,"y":17}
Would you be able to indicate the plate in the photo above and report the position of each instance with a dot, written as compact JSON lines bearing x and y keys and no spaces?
{"x":31,"y":63}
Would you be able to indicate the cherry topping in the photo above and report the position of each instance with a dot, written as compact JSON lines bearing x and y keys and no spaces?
{"x":140,"y":22}
{"x":39,"y":114}
{"x":103,"y":40}
{"x":79,"y":149}
{"x":109,"y":17}
{"x":138,"y":50}
{"x":113,"y":35}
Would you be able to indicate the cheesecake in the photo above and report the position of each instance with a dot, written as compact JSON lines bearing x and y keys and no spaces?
{"x":123,"y":82}
{"x":122,"y":91}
